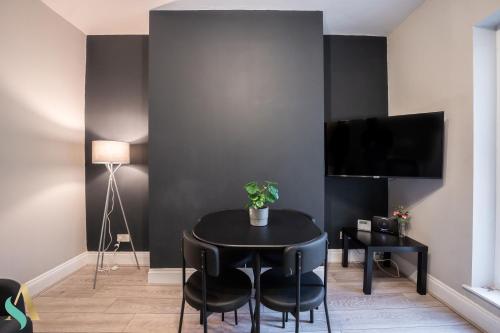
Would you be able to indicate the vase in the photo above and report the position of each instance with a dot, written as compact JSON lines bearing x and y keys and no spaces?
{"x":258,"y":217}
{"x":402,"y":229}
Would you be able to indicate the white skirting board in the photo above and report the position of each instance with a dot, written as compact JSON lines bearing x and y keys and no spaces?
{"x":167,"y":275}
{"x":463,"y":305}
{"x":355,"y":255}
{"x":125,"y":258}
{"x":56,"y":274}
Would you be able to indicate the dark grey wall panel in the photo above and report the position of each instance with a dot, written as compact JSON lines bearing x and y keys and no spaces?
{"x":355,"y":87}
{"x":234,"y":96}
{"x":116,"y":108}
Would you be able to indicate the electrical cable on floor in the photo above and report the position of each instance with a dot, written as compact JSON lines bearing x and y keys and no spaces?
{"x":115,"y":266}
{"x":112,"y":266}
{"x":378,"y":261}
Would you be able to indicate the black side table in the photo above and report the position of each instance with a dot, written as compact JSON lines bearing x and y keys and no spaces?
{"x":378,"y":242}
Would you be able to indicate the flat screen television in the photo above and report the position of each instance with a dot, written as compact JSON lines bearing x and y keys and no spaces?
{"x":397,"y":146}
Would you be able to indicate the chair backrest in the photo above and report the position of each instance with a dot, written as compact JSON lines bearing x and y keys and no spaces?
{"x":192,"y":252}
{"x":313,"y":254}
{"x":10,"y":288}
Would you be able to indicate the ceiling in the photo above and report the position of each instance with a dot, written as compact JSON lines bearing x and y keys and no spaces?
{"x":122,"y":17}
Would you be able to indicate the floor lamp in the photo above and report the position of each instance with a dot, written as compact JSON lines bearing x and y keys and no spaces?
{"x":113,"y":154}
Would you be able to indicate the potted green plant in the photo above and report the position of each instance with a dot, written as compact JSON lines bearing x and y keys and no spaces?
{"x":259,"y":196}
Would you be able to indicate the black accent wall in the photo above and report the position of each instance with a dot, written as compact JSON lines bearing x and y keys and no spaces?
{"x":116,"y":108}
{"x":355,"y":87}
{"x":234,"y":96}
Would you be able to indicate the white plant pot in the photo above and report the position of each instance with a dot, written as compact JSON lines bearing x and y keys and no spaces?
{"x":258,"y":217}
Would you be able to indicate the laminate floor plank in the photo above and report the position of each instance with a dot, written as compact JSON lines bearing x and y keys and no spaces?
{"x":81,"y":322}
{"x":123,"y":301}
{"x":398,"y":286}
{"x":78,"y":304}
{"x":148,"y":306}
{"x":147,"y":291}
{"x":391,"y":318}
{"x":385,"y":301}
{"x":422,"y":329}
{"x":152,"y":323}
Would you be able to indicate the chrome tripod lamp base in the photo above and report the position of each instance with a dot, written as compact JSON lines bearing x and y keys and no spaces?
{"x":113,"y":155}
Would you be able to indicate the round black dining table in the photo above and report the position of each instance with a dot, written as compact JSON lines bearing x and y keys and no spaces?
{"x":232,"y":229}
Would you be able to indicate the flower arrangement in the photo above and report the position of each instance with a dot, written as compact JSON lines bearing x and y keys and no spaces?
{"x":402,"y":215}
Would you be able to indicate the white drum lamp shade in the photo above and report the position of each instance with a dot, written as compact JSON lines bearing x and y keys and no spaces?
{"x":110,"y":152}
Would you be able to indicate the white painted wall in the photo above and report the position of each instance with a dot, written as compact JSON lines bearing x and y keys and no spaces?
{"x":430,"y":62}
{"x":497,"y":225}
{"x":484,"y":168}
{"x":42,"y":88}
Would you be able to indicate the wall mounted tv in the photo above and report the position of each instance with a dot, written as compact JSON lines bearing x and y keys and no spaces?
{"x":397,"y":146}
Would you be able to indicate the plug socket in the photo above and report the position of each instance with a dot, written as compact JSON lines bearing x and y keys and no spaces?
{"x":123,"y":238}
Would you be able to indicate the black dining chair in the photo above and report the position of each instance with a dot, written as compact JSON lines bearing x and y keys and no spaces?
{"x":211,"y":288}
{"x":10,"y":288}
{"x":274,"y":258}
{"x":232,"y":258}
{"x":294,"y":287}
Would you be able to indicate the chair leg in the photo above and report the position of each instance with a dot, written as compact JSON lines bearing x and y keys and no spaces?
{"x":222,"y":316}
{"x":236,"y":317}
{"x":327,"y":316}
{"x":297,"y":320}
{"x":182,"y":315}
{"x":251,"y":314}
{"x":282,"y":320}
{"x":205,"y":324}
{"x":311,"y":316}
{"x":286,"y":317}
{"x":201,"y":317}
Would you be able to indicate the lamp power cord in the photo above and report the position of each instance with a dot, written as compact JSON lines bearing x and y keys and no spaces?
{"x":107,"y":267}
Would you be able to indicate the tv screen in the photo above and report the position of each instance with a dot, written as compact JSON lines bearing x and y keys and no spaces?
{"x":398,"y":146}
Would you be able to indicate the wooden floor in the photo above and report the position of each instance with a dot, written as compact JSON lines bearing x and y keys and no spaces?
{"x":124,"y":302}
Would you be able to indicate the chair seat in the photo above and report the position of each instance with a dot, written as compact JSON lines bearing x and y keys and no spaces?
{"x":12,"y":326}
{"x":279,"y":292}
{"x":227,"y":292}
